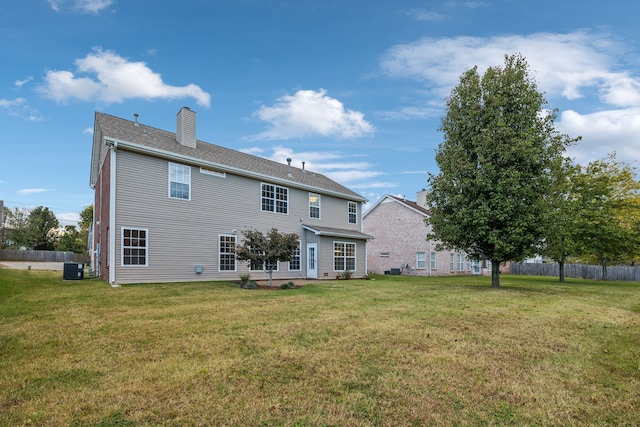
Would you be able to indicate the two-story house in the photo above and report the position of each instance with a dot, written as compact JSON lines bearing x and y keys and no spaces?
{"x":171,"y":208}
{"x":400,"y":244}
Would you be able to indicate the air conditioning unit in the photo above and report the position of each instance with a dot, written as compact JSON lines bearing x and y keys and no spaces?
{"x":73,"y":271}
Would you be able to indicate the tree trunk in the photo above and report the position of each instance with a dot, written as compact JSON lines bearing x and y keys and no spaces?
{"x":604,"y":269}
{"x":270,"y":277}
{"x":495,"y":274}
{"x":561,"y":266}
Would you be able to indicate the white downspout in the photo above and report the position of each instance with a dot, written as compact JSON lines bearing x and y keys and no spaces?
{"x":112,"y":214}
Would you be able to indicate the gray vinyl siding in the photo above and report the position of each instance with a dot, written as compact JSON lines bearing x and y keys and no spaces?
{"x":185,"y":233}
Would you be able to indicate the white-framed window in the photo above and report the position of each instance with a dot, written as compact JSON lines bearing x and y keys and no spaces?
{"x":135,"y":246}
{"x":452,"y":262}
{"x":268,"y":266}
{"x":353,"y":213}
{"x":314,"y":205}
{"x":460,"y":262}
{"x":254,"y":266}
{"x":227,"y":253}
{"x":295,"y":264}
{"x":434,"y":257}
{"x":344,"y":256}
{"x":274,"y":198}
{"x":421,"y":260}
{"x":179,"y":181}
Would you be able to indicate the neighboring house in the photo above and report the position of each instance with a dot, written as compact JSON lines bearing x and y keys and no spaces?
{"x":171,"y":208}
{"x":400,"y":244}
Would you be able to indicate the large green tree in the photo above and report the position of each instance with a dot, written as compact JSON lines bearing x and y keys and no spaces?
{"x":16,"y":228}
{"x":71,"y":241}
{"x":264,"y":250}
{"x":41,"y":221}
{"x":563,"y":214}
{"x":608,"y":230}
{"x":499,"y":145}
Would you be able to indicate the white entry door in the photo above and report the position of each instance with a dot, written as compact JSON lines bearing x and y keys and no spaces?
{"x":312,"y":260}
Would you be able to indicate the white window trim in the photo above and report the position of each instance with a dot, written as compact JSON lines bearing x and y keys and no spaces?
{"x":319,"y":206}
{"x":299,"y":258}
{"x":170,"y":181}
{"x":122,"y":247}
{"x":433,"y":260}
{"x":355,"y":256}
{"x":235,"y":261}
{"x":349,"y":203}
{"x":275,"y":200}
{"x":424,"y":260}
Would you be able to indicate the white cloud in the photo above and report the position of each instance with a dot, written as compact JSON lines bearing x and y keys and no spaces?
{"x":425,"y":15}
{"x":562,"y":64}
{"x":84,"y":6}
{"x":339,"y":166}
{"x":116,"y":79}
{"x":256,"y":151}
{"x":20,"y":108}
{"x":311,"y":113}
{"x":603,"y":132}
{"x":68,"y":218}
{"x":28,"y":191}
{"x":88,"y":130}
{"x":582,"y":65}
{"x":21,"y":83}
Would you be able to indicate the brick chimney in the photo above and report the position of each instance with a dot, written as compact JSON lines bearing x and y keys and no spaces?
{"x":186,"y":127}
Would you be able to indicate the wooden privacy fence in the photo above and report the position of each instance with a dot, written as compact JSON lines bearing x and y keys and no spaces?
{"x":42,"y":256}
{"x":578,"y":271}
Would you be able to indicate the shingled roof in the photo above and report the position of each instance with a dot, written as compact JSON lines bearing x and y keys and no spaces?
{"x":131,"y":135}
{"x":408,"y":203}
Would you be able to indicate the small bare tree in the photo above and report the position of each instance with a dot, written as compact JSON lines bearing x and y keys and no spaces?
{"x":264,"y":250}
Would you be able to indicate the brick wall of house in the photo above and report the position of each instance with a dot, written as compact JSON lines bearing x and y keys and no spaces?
{"x":101,"y":212}
{"x":400,"y":233}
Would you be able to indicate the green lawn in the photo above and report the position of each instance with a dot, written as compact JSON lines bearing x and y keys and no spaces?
{"x":396,"y":351}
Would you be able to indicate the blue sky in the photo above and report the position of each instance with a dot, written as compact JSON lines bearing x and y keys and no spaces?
{"x":353,"y":88}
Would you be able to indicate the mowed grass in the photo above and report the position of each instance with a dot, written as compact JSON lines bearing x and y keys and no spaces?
{"x":395,"y":351}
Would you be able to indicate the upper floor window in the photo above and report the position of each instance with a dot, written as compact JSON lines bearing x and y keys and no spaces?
{"x":314,"y":205}
{"x":134,"y":246}
{"x":179,"y":181}
{"x":353,"y":213}
{"x":275,"y":199}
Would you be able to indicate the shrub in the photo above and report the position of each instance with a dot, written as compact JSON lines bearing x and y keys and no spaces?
{"x":346,"y":275}
{"x":251,"y":285}
{"x":244,"y":280}
{"x":288,"y":285}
